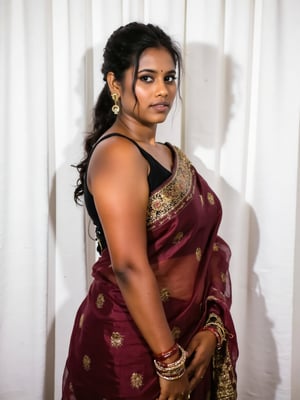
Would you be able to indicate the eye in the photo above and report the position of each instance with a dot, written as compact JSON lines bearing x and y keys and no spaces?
{"x":146,"y":78}
{"x":170,"y":78}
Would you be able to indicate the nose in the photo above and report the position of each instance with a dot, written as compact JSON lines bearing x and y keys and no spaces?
{"x":161,"y":89}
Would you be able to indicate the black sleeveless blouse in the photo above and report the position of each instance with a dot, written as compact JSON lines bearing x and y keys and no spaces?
{"x":157,"y":175}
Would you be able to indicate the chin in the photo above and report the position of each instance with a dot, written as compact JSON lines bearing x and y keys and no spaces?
{"x":156,"y":120}
{"x":161,"y":119}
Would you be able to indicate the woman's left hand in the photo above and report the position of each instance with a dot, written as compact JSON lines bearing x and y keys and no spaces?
{"x":201,"y":348}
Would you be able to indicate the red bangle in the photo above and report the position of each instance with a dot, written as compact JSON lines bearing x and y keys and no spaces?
{"x":214,"y":331}
{"x":166,"y":354}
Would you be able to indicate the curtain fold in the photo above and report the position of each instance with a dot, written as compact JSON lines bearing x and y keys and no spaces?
{"x":238,"y":121}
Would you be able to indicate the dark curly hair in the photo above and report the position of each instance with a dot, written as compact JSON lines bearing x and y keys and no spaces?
{"x":123,"y":50}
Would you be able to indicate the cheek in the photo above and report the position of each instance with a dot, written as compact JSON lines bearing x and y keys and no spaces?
{"x":128,"y":100}
{"x":142,"y":94}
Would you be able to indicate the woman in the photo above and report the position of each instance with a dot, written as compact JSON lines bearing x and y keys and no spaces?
{"x":156,"y":322}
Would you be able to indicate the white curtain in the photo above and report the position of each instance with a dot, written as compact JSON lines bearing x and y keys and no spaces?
{"x":239,"y":123}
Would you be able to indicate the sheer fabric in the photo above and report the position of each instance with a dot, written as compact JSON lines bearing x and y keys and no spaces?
{"x":108,"y":357}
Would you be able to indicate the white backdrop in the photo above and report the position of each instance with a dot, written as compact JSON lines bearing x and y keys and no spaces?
{"x":238,"y":122}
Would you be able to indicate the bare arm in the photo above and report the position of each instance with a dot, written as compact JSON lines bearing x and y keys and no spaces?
{"x":118,"y":182}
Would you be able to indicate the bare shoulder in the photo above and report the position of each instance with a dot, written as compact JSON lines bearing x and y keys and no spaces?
{"x":116,"y":155}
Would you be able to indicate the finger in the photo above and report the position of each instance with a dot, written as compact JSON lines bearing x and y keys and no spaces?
{"x":196,"y":379}
{"x":194,"y":366}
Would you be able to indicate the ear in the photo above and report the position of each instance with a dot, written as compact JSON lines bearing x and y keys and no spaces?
{"x":113,"y":84}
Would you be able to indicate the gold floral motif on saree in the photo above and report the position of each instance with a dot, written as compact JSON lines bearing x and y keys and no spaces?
{"x":176,"y":332}
{"x":211,"y":198}
{"x":172,"y":196}
{"x":136,"y":380}
{"x":116,"y":339}
{"x":177,"y":237}
{"x":215,"y":247}
{"x":86,"y":362}
{"x":100,"y":300}
{"x":164,"y":294}
{"x":81,"y":321}
{"x":198,"y":254}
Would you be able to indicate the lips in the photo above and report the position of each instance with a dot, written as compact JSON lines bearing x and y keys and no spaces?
{"x":161,"y":106}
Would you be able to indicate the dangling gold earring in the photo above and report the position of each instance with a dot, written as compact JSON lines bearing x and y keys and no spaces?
{"x":115,"y":108}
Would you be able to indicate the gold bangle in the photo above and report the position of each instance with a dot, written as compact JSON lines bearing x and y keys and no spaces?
{"x":171,"y":378}
{"x":215,"y":322}
{"x":174,"y":370}
{"x":170,"y":366}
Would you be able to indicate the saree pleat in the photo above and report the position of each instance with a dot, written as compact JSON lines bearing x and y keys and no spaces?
{"x":108,"y":358}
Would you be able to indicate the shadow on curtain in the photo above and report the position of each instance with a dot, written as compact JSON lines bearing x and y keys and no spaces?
{"x":211,"y":76}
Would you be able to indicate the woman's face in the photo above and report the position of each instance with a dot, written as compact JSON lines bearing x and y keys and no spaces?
{"x":155,"y":88}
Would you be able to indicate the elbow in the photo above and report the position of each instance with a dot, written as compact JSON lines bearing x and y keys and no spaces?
{"x":128,"y":272}
{"x":122,"y":273}
{"x":122,"y":276}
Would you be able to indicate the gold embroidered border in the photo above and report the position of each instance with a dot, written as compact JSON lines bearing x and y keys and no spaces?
{"x":224,"y":380}
{"x":173,"y":195}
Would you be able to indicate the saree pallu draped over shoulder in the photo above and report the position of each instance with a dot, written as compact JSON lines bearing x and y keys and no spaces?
{"x":108,"y":358}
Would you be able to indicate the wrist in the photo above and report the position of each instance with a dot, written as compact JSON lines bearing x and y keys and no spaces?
{"x":171,"y":367}
{"x":214,"y":324}
{"x":167,"y":355}
{"x":212,"y":333}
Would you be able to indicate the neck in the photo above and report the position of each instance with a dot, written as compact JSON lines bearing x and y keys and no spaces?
{"x":135,"y":130}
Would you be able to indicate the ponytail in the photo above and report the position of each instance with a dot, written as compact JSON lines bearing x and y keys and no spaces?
{"x":103,"y":118}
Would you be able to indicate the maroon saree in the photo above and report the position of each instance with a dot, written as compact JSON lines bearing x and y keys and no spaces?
{"x":108,"y":358}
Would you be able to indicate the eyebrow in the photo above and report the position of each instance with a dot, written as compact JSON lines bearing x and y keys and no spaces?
{"x":153,"y":71}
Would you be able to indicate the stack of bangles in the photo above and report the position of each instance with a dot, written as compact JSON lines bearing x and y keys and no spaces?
{"x":174,"y":370}
{"x":215,"y":325}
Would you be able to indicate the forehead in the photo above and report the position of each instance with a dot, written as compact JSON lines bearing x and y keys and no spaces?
{"x":156,"y":59}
